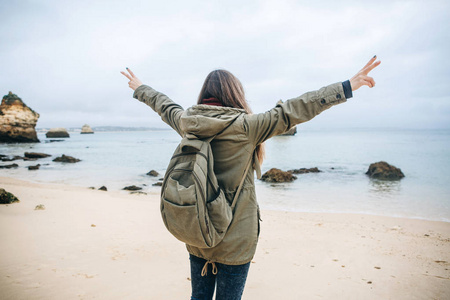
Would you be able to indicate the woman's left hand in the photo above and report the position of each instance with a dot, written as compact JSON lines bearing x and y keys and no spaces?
{"x":134,"y":82}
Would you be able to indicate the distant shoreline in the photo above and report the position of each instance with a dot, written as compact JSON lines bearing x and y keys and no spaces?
{"x":107,"y":129}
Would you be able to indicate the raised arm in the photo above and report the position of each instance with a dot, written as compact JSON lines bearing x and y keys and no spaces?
{"x":169,"y":111}
{"x":261,"y":127}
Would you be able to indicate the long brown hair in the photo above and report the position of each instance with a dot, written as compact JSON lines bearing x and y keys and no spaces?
{"x":226,"y":88}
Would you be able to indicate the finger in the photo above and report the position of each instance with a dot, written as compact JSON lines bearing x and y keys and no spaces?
{"x":126,"y":75}
{"x":368,"y":83}
{"x":131,"y":72}
{"x":370,"y":62}
{"x":369,"y":68}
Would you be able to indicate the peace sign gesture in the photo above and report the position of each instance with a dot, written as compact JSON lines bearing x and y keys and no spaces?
{"x":134,"y":82}
{"x":361,"y":77}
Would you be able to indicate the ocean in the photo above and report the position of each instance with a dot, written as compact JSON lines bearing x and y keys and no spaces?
{"x":122,"y":158}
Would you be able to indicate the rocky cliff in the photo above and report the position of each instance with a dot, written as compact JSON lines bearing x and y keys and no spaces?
{"x":17,"y":121}
{"x":86,"y":129}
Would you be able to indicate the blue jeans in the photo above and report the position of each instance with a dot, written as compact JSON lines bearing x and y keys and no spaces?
{"x":230,"y":280}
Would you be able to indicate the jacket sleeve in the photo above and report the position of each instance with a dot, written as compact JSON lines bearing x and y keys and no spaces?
{"x":169,"y":111}
{"x":278,"y":120}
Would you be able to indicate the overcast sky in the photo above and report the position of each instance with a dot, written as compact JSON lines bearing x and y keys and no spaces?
{"x":63,"y":58}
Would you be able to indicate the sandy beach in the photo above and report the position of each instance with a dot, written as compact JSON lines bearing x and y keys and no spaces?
{"x":90,"y":244}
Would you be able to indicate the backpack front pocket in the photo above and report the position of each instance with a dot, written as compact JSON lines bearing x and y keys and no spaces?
{"x":220,"y":213}
{"x":183,"y":223}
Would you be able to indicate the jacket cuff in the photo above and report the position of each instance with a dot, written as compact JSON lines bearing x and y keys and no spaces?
{"x":140,"y":91}
{"x":347,"y":89}
{"x":332,"y":94}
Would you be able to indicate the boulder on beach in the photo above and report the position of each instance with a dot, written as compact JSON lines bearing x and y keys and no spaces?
{"x":67,"y":159}
{"x":132,"y":188}
{"x":36,"y":167}
{"x":86,"y":129}
{"x":305,"y":170}
{"x":57,"y":133}
{"x":153,"y":173}
{"x":159,"y":183}
{"x":17,"y":121}
{"x":384,"y":171}
{"x":276,"y":175}
{"x":103,"y":188}
{"x":36,"y":155}
{"x":15,"y":157}
{"x":9,"y":166}
{"x":7,"y":197}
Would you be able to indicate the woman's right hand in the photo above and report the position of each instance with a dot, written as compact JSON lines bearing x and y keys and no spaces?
{"x":361,"y":77}
{"x":134,"y":82}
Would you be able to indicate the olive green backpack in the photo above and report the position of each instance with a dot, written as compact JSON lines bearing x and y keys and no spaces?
{"x":193,"y":207}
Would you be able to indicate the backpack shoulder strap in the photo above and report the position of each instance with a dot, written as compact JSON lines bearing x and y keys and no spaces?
{"x":233,"y":204}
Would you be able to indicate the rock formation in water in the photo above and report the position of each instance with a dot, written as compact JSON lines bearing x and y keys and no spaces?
{"x":276,"y":175}
{"x":153,"y":173}
{"x":9,"y":166}
{"x":305,"y":170}
{"x":57,"y":133}
{"x":36,"y":167}
{"x":36,"y":155}
{"x":384,"y":171}
{"x":132,"y":188}
{"x":291,"y":131}
{"x":67,"y":159}
{"x":17,"y":121}
{"x":86,"y":129}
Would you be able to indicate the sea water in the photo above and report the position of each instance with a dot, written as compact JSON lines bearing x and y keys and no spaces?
{"x":122,"y":158}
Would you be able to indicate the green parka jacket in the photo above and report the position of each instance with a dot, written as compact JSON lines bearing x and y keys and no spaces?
{"x":232,"y":150}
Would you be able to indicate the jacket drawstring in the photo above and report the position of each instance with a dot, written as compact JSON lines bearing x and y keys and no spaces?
{"x":205,"y":268}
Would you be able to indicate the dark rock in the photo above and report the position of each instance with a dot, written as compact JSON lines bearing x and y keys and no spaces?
{"x":36,"y":155}
{"x":384,"y":171}
{"x":66,"y":159}
{"x":103,"y":188}
{"x":52,"y":141}
{"x":153,"y":173}
{"x":36,"y":167}
{"x":17,"y":121}
{"x":139,"y":193}
{"x":29,"y":159}
{"x":276,"y":175}
{"x":8,"y":158}
{"x":57,"y":133}
{"x":91,"y":188}
{"x":305,"y":170}
{"x":7,"y":197}
{"x":40,"y":207}
{"x":132,"y":188}
{"x":9,"y":166}
{"x":157,"y":183}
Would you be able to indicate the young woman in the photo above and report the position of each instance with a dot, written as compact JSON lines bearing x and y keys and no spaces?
{"x":222,"y":108}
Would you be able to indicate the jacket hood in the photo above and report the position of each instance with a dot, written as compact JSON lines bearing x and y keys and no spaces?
{"x":204,"y":121}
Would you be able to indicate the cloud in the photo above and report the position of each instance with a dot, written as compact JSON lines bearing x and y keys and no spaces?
{"x":63,"y":57}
